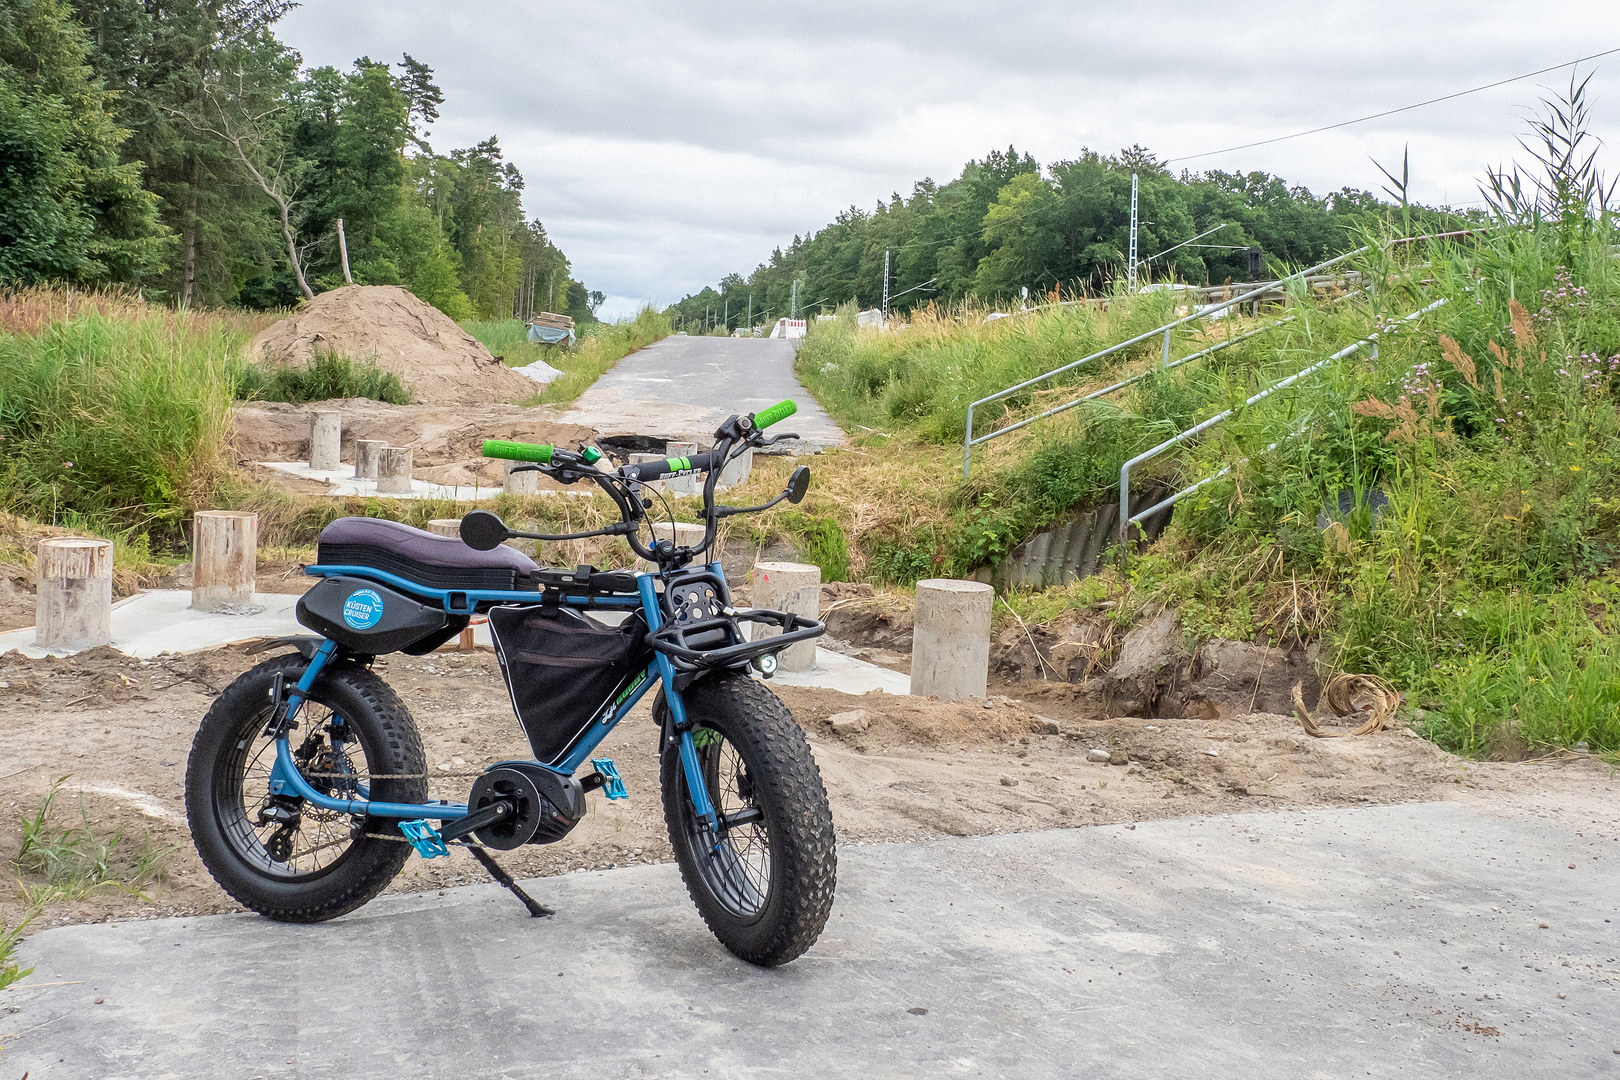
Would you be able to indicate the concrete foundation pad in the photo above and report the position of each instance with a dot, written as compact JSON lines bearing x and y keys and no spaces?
{"x":162,"y":620}
{"x":835,"y":671}
{"x":1417,"y":940}
{"x":344,"y":484}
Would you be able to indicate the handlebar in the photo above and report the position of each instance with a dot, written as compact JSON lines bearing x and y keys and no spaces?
{"x":778,"y":412}
{"x":518,"y":451}
{"x":623,"y":485}
{"x":644,"y":471}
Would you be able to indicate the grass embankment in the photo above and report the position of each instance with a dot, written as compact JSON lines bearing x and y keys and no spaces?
{"x":1475,"y":457}
{"x":599,"y":347}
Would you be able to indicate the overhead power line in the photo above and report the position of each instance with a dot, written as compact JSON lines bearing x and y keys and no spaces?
{"x":1392,"y":112}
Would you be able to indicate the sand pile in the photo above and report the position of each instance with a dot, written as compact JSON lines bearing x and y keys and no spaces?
{"x":442,"y":363}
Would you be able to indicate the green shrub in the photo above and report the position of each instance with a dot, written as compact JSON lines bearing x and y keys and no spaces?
{"x":899,"y":564}
{"x":328,"y":376}
{"x":821,"y":543}
{"x":122,"y":420}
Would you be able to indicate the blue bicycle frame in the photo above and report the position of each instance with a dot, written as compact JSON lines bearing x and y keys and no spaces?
{"x":285,"y":779}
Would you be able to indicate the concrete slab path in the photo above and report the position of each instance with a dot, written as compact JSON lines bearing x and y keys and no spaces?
{"x":161,"y":620}
{"x":683,"y":388}
{"x":1427,"y":940}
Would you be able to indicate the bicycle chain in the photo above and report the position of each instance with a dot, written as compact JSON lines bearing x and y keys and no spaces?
{"x":452,"y":775}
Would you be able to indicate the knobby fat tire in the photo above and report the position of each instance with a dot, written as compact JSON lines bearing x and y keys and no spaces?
{"x":798,"y":820}
{"x":391,"y":745}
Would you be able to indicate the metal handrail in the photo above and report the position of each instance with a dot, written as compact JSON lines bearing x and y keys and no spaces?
{"x":969,"y":442}
{"x":1127,"y":519}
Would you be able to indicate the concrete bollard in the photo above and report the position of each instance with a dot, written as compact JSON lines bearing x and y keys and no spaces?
{"x":366,"y":452}
{"x":325,"y":440}
{"x":786,"y":586}
{"x":452,"y":527}
{"x":684,"y":485}
{"x":523,"y":483}
{"x":394,"y":471}
{"x":224,"y":559}
{"x":74,"y":599}
{"x":684,"y":534}
{"x":650,"y":485}
{"x":736,"y":470}
{"x":950,"y":644}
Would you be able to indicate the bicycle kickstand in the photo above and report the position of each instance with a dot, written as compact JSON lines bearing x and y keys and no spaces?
{"x":536,"y":909}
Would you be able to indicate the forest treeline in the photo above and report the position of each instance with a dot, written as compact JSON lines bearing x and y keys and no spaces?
{"x":1006,"y":224}
{"x":177,"y":145}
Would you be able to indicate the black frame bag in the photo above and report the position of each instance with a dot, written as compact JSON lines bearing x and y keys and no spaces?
{"x":564,"y":670}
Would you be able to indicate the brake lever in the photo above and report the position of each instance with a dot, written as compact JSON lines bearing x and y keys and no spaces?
{"x":774,"y":439}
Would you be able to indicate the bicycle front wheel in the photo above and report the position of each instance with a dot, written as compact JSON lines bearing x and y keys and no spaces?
{"x":764,"y":879}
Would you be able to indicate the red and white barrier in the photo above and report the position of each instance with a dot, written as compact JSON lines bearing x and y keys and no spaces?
{"x":789,"y":328}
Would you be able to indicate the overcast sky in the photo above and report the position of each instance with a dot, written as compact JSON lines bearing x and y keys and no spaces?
{"x":666,"y":145}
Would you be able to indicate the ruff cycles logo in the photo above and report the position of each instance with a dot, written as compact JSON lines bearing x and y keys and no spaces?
{"x":363,"y":609}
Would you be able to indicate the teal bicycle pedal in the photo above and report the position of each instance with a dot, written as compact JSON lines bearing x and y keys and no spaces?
{"x":612,"y":784}
{"x":424,"y":838}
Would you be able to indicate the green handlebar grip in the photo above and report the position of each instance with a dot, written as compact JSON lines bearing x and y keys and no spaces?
{"x":780,"y":411}
{"x":518,"y":451}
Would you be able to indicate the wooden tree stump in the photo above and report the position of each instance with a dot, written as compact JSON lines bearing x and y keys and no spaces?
{"x":224,"y":559}
{"x":74,"y":602}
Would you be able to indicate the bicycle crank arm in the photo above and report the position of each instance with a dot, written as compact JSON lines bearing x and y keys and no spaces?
{"x":474,"y":821}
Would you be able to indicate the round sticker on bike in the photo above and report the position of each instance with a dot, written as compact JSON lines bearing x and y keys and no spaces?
{"x":363,"y":609}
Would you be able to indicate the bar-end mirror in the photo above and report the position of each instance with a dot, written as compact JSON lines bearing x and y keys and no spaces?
{"x":482,"y":530}
{"x":798,"y":483}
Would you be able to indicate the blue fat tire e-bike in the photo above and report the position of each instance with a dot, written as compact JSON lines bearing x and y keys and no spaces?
{"x":307,"y":785}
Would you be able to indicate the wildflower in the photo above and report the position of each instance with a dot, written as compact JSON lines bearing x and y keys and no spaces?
{"x":1574,"y":468}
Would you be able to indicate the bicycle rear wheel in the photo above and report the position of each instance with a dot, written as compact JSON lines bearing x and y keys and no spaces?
{"x":308,"y":864}
{"x":763,"y":881}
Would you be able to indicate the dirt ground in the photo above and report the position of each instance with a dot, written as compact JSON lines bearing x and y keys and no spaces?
{"x":446,"y":441}
{"x":119,"y":730}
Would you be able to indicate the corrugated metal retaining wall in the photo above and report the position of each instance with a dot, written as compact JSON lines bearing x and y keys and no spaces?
{"x":1072,"y":548}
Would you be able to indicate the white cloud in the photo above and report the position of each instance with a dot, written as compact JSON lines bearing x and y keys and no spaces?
{"x":666,"y":145}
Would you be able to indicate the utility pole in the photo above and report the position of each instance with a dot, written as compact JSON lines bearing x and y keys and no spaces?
{"x":793,"y":304}
{"x":728,"y":315}
{"x":750,"y":314}
{"x":1130,"y":263}
{"x":885,"y":286}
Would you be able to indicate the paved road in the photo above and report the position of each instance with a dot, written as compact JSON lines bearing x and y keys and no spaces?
{"x":684,"y":387}
{"x":1380,"y":941}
